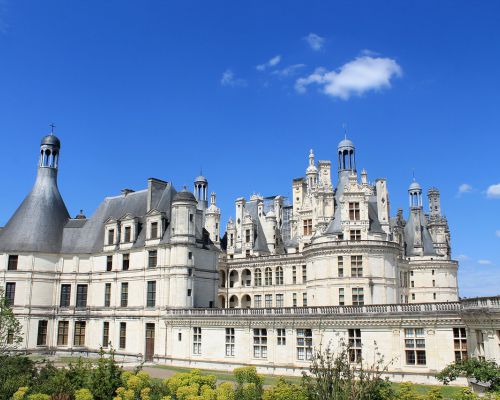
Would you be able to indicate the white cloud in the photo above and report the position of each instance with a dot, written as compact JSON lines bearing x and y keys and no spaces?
{"x":289,"y":71}
{"x":464,"y":188}
{"x":484,"y":262}
{"x":498,"y":233}
{"x":229,"y":79}
{"x":463,"y":257}
{"x":315,"y":41}
{"x":493,"y":191}
{"x":270,"y":63}
{"x":353,"y":78}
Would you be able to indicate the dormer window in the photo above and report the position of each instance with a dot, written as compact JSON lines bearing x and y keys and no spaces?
{"x":154,"y":230}
{"x":111,"y":236}
{"x":247,"y":236}
{"x":354,"y":214}
{"x":128,"y":234}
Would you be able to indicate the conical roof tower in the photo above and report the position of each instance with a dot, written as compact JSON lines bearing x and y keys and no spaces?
{"x":37,"y":225}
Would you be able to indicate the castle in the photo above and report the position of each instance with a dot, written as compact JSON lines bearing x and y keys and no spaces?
{"x":150,"y":275}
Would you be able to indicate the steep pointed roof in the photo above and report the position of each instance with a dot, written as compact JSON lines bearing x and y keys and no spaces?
{"x":37,"y":225}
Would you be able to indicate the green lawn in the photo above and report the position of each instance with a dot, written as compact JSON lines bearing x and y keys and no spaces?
{"x":447,"y":391}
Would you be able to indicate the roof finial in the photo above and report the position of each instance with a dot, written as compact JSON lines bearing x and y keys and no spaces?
{"x":344,"y":125}
{"x":52,"y":126}
{"x":413,"y":173}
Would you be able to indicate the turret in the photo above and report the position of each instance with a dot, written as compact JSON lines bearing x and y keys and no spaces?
{"x":183,"y":217}
{"x":201,"y":191}
{"x":311,"y":172}
{"x":37,"y":225}
{"x":212,"y":220}
{"x":346,"y":156}
{"x":434,"y":202}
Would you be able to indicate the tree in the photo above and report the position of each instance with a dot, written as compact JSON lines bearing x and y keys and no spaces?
{"x":487,"y":371}
{"x":10,"y":328}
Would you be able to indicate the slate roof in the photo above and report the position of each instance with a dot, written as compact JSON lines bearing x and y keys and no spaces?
{"x":37,"y":225}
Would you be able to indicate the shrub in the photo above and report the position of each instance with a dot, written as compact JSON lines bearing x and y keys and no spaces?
{"x":38,"y":396}
{"x":21,"y":392}
{"x":17,"y":371}
{"x":332,"y":376}
{"x":83,"y":394}
{"x":284,"y":391}
{"x":225,"y":391}
{"x":248,"y":383}
{"x":487,"y":371}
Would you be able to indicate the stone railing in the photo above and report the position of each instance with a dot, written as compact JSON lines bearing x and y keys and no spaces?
{"x":313,"y":311}
{"x":481,"y":302}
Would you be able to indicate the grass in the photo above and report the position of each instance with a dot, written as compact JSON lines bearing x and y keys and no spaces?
{"x":269,"y":380}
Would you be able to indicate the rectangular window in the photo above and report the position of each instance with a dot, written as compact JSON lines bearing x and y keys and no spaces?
{"x":41,"y":339}
{"x":415,"y":346}
{"x":354,"y":214}
{"x":304,"y":273}
{"x":358,"y":298}
{"x":412,"y":283}
{"x":247,"y":236}
{"x":258,"y":278}
{"x":304,"y":299}
{"x":341,"y":297}
{"x":179,"y":337}
{"x":340,"y":266}
{"x":281,"y":336}
{"x":10,"y":293}
{"x":294,"y":299}
{"x":355,"y":234}
{"x":105,"y":334}
{"x":81,"y":296}
{"x":152,"y":258}
{"x":128,"y":234}
{"x":355,"y":345}
{"x":269,"y":300}
{"x":12,"y":263}
{"x":151,"y":298}
{"x":294,"y":274}
{"x":279,"y":300}
{"x":356,"y":266}
{"x":154,"y":230}
{"x":125,"y":261}
{"x":124,"y":295}
{"x":111,"y":236}
{"x":460,"y":344}
{"x":304,"y":344}
{"x":258,"y":301}
{"x":65,"y":295}
{"x":123,"y":335}
{"x":308,"y":227}
{"x":190,"y":255}
{"x":109,"y":263}
{"x":189,"y":292}
{"x":62,"y":333}
{"x":196,"y":340}
{"x":433,"y":283}
{"x":480,"y":344}
{"x":107,"y":295}
{"x":279,"y":276}
{"x":231,"y":240}
{"x":79,"y":336}
{"x":260,"y":343}
{"x":230,"y":342}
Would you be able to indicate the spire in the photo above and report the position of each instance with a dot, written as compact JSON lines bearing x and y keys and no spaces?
{"x":37,"y":225}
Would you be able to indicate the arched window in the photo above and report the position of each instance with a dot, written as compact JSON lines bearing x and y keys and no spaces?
{"x":258,"y":277}
{"x":268,"y":277}
{"x":279,"y":276}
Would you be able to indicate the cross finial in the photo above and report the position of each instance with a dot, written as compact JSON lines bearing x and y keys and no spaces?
{"x":52,"y":126}
{"x":344,"y":125}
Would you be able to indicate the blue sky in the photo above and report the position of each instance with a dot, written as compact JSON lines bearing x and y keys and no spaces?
{"x":245,"y":89}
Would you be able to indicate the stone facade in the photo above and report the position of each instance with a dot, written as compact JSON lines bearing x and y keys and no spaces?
{"x":150,"y":275}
